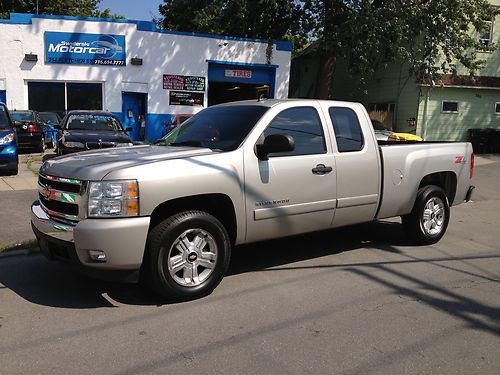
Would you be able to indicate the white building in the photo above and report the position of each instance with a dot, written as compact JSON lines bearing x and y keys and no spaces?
{"x":130,"y":68}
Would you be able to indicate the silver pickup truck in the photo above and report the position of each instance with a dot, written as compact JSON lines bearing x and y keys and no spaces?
{"x":237,"y":173}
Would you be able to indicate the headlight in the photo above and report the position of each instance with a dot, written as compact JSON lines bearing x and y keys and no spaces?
{"x":113,"y":199}
{"x":73,"y":144}
{"x":123,"y":144}
{"x":7,"y":139}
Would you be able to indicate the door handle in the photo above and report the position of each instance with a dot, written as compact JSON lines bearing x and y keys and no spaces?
{"x":321,"y":169}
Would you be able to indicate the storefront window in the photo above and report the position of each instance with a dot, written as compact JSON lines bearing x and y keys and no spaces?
{"x":46,"y":96}
{"x":60,"y":97}
{"x":86,"y":96}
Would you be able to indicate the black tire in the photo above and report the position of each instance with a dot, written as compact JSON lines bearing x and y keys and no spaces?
{"x":427,"y":222}
{"x":41,"y":146}
{"x":161,"y":249}
{"x":14,"y":170}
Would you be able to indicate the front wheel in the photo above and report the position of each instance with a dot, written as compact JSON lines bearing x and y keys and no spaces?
{"x":427,"y":222}
{"x":187,"y":255}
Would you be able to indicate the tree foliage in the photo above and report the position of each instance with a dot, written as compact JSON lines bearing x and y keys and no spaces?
{"x":264,"y":19}
{"x":84,"y":8}
{"x":432,"y":36}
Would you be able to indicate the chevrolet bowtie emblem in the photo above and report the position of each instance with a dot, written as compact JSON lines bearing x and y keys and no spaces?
{"x":46,"y":192}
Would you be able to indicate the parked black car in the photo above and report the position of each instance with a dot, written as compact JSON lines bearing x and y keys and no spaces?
{"x":89,"y":130}
{"x":30,"y":130}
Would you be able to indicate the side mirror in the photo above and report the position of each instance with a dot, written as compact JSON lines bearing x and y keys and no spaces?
{"x":129,"y":129}
{"x":274,"y":143}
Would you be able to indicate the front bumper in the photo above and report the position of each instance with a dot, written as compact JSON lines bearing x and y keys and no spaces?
{"x":8,"y":156}
{"x":122,"y":240}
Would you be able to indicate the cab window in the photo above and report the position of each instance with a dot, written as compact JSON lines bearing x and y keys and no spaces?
{"x":348,"y":134}
{"x":304,"y":125}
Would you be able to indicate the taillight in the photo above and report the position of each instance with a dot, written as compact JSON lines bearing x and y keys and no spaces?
{"x":471,"y":165}
{"x":32,"y":128}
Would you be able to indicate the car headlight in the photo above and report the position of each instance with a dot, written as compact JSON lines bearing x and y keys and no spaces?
{"x":7,"y":139}
{"x":123,"y":144}
{"x":113,"y":198}
{"x":73,"y":144}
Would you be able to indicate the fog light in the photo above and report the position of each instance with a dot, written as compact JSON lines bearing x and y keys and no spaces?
{"x":97,"y":255}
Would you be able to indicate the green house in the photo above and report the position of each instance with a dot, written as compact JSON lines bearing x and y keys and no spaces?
{"x":442,"y":110}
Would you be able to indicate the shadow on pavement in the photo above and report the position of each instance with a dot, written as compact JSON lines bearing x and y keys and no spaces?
{"x":50,"y":283}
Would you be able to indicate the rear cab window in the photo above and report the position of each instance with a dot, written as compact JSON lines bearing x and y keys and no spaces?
{"x":348,"y":133}
{"x":304,"y":125}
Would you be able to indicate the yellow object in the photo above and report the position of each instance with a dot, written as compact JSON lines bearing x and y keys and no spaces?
{"x":404,"y":137}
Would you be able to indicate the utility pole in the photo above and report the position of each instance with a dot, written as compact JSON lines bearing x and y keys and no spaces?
{"x":36,"y":6}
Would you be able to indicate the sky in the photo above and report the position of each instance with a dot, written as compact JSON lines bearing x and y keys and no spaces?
{"x":133,"y":9}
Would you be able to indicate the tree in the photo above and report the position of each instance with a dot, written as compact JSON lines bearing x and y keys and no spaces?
{"x":432,"y":37}
{"x":264,"y":19}
{"x":84,"y":8}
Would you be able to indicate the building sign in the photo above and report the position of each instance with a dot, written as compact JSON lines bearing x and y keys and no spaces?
{"x":186,"y":83}
{"x":186,"y":98}
{"x":84,"y":49}
{"x":237,"y":73}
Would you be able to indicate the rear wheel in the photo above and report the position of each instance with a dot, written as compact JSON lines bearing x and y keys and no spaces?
{"x":427,"y":222}
{"x":41,"y":146}
{"x":187,"y":255}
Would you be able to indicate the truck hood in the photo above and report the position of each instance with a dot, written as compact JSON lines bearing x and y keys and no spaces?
{"x":95,"y":165}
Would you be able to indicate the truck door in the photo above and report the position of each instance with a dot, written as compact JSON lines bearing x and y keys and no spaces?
{"x":358,"y":165}
{"x":292,"y":192}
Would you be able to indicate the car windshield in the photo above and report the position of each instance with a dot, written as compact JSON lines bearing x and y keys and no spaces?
{"x":21,"y":116}
{"x":4,"y":119}
{"x":222,"y":128}
{"x":93,"y":122}
{"x":49,"y":118}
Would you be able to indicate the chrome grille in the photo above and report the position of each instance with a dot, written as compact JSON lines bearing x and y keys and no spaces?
{"x":99,"y":145}
{"x":60,"y":197}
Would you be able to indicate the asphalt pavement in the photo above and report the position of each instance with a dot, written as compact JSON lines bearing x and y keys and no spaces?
{"x":356,"y":300}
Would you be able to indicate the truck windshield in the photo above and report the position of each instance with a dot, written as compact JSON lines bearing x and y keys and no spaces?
{"x":222,"y":128}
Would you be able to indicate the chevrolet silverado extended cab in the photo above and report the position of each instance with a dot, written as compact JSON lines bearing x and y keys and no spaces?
{"x":237,"y":173}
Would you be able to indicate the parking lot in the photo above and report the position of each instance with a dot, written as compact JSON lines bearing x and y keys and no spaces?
{"x":354,"y":300}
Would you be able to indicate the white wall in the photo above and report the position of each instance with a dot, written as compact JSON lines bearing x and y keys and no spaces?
{"x":161,"y":53}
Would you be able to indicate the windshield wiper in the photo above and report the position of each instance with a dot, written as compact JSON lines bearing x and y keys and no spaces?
{"x":193,"y":143}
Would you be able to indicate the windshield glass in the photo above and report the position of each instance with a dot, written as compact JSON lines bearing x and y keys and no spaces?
{"x":87,"y":121}
{"x":222,"y":128}
{"x":4,"y":119}
{"x":49,"y":118}
{"x":21,"y":116}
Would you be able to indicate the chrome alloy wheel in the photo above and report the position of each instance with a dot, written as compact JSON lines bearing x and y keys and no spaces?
{"x":433,"y":216}
{"x":192,"y":257}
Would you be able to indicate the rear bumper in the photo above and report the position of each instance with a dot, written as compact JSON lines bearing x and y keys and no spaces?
{"x":121,"y":240}
{"x":470,"y":192}
{"x":29,"y":139}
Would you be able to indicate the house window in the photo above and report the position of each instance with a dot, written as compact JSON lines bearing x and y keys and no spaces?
{"x":449,"y":106}
{"x":497,"y":108}
{"x":486,"y":33}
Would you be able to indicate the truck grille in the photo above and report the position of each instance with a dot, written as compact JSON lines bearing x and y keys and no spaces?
{"x":60,"y":197}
